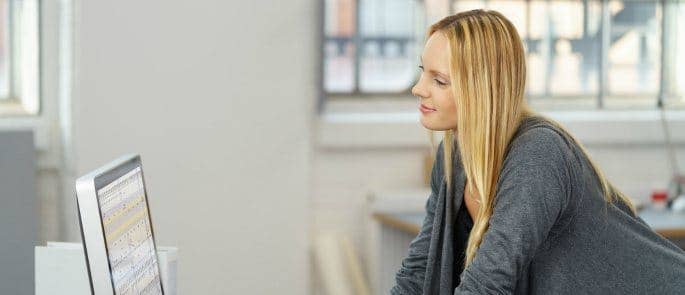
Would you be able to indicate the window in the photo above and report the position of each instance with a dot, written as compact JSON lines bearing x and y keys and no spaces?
{"x":609,"y":54}
{"x":19,"y":57}
{"x":374,"y":52}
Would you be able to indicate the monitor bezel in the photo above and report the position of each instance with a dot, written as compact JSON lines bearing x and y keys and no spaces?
{"x":90,"y":221}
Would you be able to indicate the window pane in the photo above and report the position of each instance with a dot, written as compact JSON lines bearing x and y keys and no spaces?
{"x":4,"y":50}
{"x":19,"y":56}
{"x":562,"y":47}
{"x":635,"y":45}
{"x":514,"y":10}
{"x":674,"y":46}
{"x":339,"y":46}
{"x":389,"y":31}
{"x":564,"y":52}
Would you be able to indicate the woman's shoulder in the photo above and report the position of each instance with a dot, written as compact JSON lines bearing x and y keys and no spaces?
{"x":541,"y":147}
{"x":538,"y":139}
{"x":538,"y":159}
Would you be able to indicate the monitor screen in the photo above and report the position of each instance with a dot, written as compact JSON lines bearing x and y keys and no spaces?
{"x":127,"y":230}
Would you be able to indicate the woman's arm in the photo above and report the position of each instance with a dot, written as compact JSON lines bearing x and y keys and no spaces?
{"x":409,"y":279}
{"x":531,"y":196}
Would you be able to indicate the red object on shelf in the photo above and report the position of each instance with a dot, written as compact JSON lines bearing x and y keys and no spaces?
{"x":659,"y":195}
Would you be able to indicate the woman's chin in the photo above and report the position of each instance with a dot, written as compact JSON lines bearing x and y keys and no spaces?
{"x":432,"y":126}
{"x":426,"y":124}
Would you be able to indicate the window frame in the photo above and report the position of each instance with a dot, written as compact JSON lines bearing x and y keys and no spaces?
{"x":603,"y":69}
{"x":356,"y":93}
{"x":51,"y":124}
{"x":24,"y":59}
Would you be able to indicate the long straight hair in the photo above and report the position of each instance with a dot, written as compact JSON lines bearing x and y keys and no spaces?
{"x":488,"y":77}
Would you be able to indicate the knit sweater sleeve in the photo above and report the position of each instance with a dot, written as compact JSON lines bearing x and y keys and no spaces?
{"x":409,"y":279}
{"x":532,"y":193}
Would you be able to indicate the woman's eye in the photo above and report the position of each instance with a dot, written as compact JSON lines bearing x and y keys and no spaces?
{"x":440,"y":82}
{"x":421,"y":68}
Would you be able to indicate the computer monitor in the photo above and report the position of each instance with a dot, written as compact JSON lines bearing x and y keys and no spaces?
{"x":116,"y":229}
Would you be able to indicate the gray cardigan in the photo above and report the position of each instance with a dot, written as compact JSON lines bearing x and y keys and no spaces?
{"x":550,"y":232}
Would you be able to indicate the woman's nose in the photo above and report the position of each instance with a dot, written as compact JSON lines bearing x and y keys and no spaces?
{"x":418,"y":91}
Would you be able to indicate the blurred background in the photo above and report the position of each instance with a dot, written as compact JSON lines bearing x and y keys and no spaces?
{"x":280,"y":141}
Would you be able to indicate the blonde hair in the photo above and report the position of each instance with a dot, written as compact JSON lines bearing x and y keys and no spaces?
{"x":488,"y":77}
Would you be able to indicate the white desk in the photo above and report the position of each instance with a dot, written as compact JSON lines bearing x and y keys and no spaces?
{"x":61,"y":269}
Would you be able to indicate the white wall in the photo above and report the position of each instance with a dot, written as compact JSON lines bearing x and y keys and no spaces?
{"x":218,"y":97}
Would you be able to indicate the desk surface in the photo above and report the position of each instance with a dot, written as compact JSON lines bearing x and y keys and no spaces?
{"x":667,"y":223}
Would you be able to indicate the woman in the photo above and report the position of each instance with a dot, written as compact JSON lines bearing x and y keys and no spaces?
{"x":517,"y":205}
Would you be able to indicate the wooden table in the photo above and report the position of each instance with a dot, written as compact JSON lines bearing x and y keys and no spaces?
{"x":668,"y":224}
